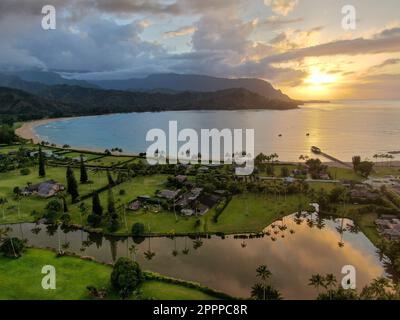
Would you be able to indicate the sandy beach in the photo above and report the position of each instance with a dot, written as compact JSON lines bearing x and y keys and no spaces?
{"x":27,"y":130}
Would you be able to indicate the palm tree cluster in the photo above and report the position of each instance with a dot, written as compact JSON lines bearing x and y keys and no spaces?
{"x":263,"y":290}
{"x":386,"y":156}
{"x":379,"y":289}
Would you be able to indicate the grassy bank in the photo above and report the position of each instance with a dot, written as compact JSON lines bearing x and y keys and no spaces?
{"x":21,"y":279}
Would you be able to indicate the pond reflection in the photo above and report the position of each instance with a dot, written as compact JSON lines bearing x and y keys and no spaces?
{"x":294,"y":248}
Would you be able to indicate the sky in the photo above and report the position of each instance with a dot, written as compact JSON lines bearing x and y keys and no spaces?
{"x":300,"y":46}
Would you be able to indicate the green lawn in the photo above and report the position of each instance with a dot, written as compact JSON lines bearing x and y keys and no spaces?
{"x":386,"y":171}
{"x":109,"y":161}
{"x":344,"y":174}
{"x":21,"y":279}
{"x":168,"y":291}
{"x":252,"y":213}
{"x":88,"y":156}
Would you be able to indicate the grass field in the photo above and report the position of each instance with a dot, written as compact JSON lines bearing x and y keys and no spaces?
{"x":21,"y":279}
{"x":108,"y":161}
{"x":344,"y":174}
{"x":252,"y":213}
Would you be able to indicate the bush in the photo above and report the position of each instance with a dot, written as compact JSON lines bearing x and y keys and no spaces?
{"x":25,"y":172}
{"x":122,"y":192}
{"x":12,"y":247}
{"x":126,"y":276}
{"x":138,"y":229}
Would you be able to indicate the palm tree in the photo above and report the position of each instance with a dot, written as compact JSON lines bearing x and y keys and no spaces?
{"x":3,"y":202}
{"x":264,"y":273}
{"x":330,"y":282}
{"x":258,"y":292}
{"x":317,"y":281}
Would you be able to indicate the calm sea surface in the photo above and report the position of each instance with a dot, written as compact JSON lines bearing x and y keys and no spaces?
{"x":342,"y":129}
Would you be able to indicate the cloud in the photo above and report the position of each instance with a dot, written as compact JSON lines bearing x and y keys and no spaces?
{"x":388,"y":62}
{"x":386,"y":41}
{"x":183,"y":31}
{"x":282,"y":7}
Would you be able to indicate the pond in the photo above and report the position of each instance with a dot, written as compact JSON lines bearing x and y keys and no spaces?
{"x":297,"y":247}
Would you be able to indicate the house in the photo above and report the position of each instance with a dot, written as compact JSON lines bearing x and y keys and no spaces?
{"x":187,"y":212}
{"x":78,"y":159}
{"x":289,"y":179}
{"x":362,"y":194}
{"x":389,"y":227}
{"x":181,"y":178}
{"x":44,"y":189}
{"x":168,"y":194}
{"x":46,"y":153}
{"x":134,"y":205}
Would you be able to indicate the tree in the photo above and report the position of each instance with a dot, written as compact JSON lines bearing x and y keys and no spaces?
{"x":84,"y":176}
{"x":138,"y":229}
{"x":12,"y":247}
{"x":284,"y":172}
{"x":110,"y":178}
{"x":42,"y":169}
{"x":111,"y":203}
{"x":261,"y":292}
{"x":264,"y":273}
{"x":95,"y":218}
{"x":317,"y":281}
{"x":356,"y":161}
{"x":72,"y":186}
{"x":126,"y":277}
{"x":365,"y":168}
{"x":96,"y":205}
{"x":7,"y":135}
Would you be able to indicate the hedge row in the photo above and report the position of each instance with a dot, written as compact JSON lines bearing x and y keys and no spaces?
{"x":188,"y":284}
{"x":221,"y":207}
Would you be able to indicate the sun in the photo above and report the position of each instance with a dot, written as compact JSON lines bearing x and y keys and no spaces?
{"x":319,"y":78}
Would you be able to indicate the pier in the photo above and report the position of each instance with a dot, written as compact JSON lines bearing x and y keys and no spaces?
{"x":318,"y":151}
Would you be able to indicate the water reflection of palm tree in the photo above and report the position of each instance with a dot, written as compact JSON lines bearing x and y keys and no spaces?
{"x":320,"y":222}
{"x":133,"y":250}
{"x":186,"y":250}
{"x":197,"y":243}
{"x":353,"y":228}
{"x":264,"y":273}
{"x":330,"y":282}
{"x":149,"y":254}
{"x":317,"y":281}
{"x":174,"y":252}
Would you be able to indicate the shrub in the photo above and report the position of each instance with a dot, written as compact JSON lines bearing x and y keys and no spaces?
{"x":126,"y":276}
{"x":122,"y":192}
{"x":25,"y":172}
{"x":138,"y":229}
{"x":12,"y":247}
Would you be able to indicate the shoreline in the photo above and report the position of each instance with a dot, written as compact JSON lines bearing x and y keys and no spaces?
{"x":27,"y":131}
